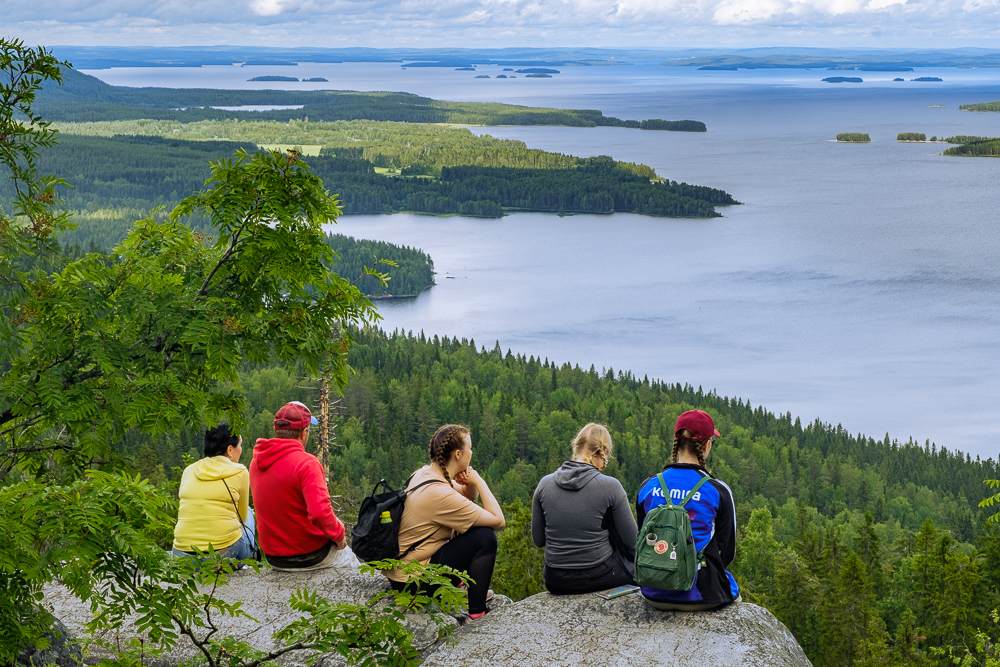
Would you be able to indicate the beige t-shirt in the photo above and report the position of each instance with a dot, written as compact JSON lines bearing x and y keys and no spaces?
{"x":435,"y":511}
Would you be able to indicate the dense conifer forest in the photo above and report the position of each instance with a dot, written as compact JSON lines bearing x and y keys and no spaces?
{"x":872,"y":551}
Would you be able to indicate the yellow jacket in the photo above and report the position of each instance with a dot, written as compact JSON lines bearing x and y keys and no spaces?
{"x":206,"y":514}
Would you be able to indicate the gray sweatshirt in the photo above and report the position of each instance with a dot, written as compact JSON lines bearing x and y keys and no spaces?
{"x":576,"y":513}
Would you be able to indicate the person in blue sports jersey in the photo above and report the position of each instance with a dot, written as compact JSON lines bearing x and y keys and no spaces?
{"x":712,"y":512}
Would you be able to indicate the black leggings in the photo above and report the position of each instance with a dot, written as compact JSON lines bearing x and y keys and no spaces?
{"x":473,"y":552}
{"x":609,"y":574}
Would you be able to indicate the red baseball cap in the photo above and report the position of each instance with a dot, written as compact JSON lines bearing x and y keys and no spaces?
{"x":296,"y":414}
{"x":699,"y":423}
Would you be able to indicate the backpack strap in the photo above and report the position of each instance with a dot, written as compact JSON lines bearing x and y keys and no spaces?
{"x":666,"y":491}
{"x":424,"y":483}
{"x":694,"y":490}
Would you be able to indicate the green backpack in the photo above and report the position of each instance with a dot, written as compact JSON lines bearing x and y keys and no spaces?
{"x":665,"y":558}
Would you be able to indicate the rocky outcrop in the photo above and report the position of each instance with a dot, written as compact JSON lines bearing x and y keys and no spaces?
{"x":552,"y":631}
{"x":62,"y":650}
{"x":264,"y":597}
{"x":543,"y":630}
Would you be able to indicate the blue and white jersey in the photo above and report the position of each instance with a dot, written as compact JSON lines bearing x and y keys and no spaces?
{"x":713,"y":525}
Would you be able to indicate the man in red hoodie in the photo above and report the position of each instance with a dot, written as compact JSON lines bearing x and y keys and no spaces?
{"x":296,"y":525}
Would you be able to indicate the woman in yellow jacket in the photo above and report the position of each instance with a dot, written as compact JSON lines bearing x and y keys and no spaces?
{"x":215,"y":500}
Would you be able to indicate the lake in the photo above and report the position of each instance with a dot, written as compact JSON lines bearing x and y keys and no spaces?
{"x":858,"y":284}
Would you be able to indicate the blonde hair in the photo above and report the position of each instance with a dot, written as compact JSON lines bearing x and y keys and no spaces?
{"x":592,"y":440}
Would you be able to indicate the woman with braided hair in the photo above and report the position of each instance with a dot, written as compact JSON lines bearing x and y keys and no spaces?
{"x":583,"y":520}
{"x":442,"y":524}
{"x":712,"y":512}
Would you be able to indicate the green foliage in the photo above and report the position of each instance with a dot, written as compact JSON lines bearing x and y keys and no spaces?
{"x":142,"y":338}
{"x":854,"y":137}
{"x":518,"y":573}
{"x":80,"y":532}
{"x":992,"y":500}
{"x":911,"y":136}
{"x":757,"y":558}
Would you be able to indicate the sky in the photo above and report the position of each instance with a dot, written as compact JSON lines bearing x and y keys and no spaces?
{"x":666,"y":24}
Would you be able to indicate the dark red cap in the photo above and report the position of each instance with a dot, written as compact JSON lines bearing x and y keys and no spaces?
{"x":296,"y":414}
{"x":699,"y":423}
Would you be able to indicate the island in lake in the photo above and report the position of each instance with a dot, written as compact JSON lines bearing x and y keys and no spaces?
{"x":853,"y":138}
{"x":910,"y":136}
{"x":502,"y":76}
{"x":537,"y":70}
{"x":538,"y":76}
{"x":465,"y":69}
{"x":273,"y":77}
{"x":927,"y":78}
{"x":843,"y":79}
{"x":316,"y":79}
{"x":482,"y":76}
{"x":899,"y":79}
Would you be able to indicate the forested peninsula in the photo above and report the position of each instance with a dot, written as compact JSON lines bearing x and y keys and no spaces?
{"x":983,"y":147}
{"x":86,"y":98}
{"x":438,"y":170}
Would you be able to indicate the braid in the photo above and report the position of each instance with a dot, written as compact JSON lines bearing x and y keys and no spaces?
{"x":442,"y":461}
{"x":699,"y":451}
{"x":446,"y":440}
{"x":696,"y":447}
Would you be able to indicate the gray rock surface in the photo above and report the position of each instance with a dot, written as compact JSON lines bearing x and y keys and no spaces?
{"x":62,"y":651}
{"x":265,"y":598}
{"x":554,"y":631}
{"x":543,"y":630}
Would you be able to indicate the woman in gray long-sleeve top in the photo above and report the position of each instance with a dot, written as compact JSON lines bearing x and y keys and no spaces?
{"x":583,"y":520}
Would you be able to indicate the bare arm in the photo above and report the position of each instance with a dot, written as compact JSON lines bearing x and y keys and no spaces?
{"x":492,"y":516}
{"x":462,"y":485}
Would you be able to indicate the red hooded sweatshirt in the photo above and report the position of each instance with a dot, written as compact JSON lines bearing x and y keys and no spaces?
{"x":293,"y":510}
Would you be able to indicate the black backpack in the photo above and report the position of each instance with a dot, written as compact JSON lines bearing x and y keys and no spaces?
{"x":372,"y":539}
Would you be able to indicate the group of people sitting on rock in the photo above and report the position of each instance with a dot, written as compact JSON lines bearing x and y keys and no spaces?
{"x":579,"y":515}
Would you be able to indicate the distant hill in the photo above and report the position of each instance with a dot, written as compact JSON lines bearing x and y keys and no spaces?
{"x":84,"y":98}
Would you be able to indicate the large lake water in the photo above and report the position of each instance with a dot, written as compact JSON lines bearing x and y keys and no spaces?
{"x":858,"y":284}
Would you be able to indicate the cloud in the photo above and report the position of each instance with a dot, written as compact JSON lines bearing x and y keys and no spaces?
{"x":479,"y":23}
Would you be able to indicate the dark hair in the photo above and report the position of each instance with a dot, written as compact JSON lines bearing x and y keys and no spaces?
{"x":446,"y":440}
{"x":281,"y":430}
{"x":685,"y":440}
{"x":218,"y":440}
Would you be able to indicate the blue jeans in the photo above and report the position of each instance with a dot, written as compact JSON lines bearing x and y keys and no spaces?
{"x":241,"y":549}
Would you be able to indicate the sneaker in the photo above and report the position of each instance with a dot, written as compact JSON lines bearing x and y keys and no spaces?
{"x":469,"y":618}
